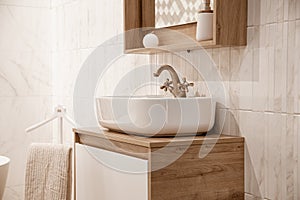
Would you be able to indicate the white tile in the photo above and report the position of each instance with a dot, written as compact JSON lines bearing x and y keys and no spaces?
{"x":275,"y":157}
{"x":262,"y":36}
{"x":254,"y":134}
{"x":152,"y":61}
{"x":255,"y":16}
{"x":216,"y":56}
{"x":234,"y":122}
{"x":270,"y":10}
{"x":95,"y":28}
{"x":88,"y":23}
{"x":292,"y":70}
{"x":280,"y":68}
{"x":279,"y":10}
{"x":134,"y":79}
{"x":263,"y":11}
{"x":257,"y":12}
{"x":260,"y":73}
{"x":292,"y":9}
{"x":246,"y":78}
{"x":253,"y":37}
{"x":297,"y":10}
{"x":270,"y":31}
{"x":66,"y":23}
{"x":27,"y":3}
{"x":200,"y":59}
{"x":65,"y":70}
{"x":25,"y":73}
{"x":195,"y":61}
{"x":297,"y":64}
{"x":25,"y":29}
{"x":210,"y":73}
{"x":225,"y":122}
{"x":224,"y":65}
{"x":291,"y":158}
{"x":286,"y":10}
{"x":297,"y":155}
{"x":180,"y":65}
{"x":234,"y":85}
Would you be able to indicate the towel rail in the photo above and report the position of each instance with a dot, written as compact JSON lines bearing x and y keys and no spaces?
{"x":60,"y":113}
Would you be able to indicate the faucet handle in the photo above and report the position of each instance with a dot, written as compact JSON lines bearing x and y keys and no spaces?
{"x":167,"y":85}
{"x":184,"y":86}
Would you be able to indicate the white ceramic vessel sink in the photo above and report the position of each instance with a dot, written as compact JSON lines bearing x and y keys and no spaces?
{"x":156,"y":115}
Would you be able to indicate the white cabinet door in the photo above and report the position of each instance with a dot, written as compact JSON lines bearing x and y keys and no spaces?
{"x":105,"y":175}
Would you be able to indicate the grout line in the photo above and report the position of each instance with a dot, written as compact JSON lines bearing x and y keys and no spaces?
{"x":273,"y":23}
{"x":255,"y":111}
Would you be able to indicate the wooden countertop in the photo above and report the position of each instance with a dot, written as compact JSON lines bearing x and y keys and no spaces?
{"x":98,"y":133}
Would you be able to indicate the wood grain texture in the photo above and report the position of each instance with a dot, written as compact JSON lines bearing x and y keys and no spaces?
{"x":148,"y":13}
{"x":133,"y":21}
{"x":115,"y":146}
{"x":132,"y":14}
{"x":76,"y":140}
{"x":231,"y":22}
{"x":220,"y":175}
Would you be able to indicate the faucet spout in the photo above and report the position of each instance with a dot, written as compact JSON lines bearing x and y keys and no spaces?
{"x":176,"y":89}
{"x":171,"y":70}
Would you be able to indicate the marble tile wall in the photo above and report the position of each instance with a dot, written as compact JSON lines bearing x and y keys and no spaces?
{"x":25,"y":83}
{"x":262,"y":80}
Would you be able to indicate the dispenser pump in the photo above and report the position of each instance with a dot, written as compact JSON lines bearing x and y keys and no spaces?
{"x":205,"y":6}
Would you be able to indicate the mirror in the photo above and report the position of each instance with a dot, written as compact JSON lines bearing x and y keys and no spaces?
{"x":176,"y":12}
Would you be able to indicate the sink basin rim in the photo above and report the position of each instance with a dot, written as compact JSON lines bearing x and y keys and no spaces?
{"x":107,"y":118}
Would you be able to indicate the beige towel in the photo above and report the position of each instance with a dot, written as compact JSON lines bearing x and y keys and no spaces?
{"x":48,"y":172}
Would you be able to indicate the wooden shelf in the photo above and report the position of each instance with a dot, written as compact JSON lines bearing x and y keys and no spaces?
{"x":170,"y":48}
{"x":173,"y":38}
{"x":229,"y":28}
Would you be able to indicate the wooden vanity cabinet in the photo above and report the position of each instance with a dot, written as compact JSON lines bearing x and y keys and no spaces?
{"x":218,"y":175}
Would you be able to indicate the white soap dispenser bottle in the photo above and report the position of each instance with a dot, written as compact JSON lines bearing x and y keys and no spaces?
{"x":205,"y":22}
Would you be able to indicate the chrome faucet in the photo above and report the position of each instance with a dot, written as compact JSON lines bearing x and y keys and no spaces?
{"x":177,"y":88}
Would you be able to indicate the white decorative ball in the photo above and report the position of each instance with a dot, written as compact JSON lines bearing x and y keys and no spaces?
{"x":150,"y":40}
